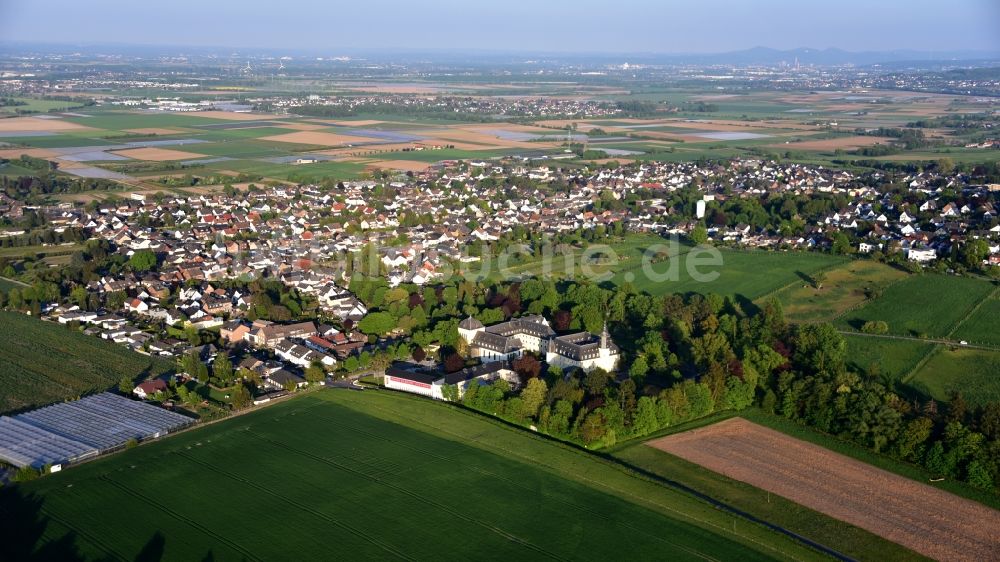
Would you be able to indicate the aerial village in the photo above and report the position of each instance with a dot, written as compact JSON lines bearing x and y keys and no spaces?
{"x":417,"y":227}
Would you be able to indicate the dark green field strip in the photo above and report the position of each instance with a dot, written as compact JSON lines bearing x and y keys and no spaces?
{"x":568,"y":463}
{"x":351,"y":475}
{"x":509,"y":493}
{"x":43,"y":362}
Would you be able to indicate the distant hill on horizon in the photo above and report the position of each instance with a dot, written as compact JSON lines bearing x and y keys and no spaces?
{"x":754,"y":55}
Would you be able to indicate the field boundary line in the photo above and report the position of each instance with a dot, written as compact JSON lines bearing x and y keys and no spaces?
{"x":972,"y":311}
{"x":635,"y":472}
{"x":792,"y":283}
{"x":905,"y":379}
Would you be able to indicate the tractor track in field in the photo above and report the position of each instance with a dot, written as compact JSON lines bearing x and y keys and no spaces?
{"x":509,"y":536}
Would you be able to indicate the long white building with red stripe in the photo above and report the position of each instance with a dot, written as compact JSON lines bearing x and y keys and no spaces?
{"x":410,"y":377}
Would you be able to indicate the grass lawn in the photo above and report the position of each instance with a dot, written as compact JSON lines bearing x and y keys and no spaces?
{"x":843,"y":287}
{"x":567,"y":262}
{"x":929,"y":304}
{"x":15,"y":171}
{"x":374,"y":475}
{"x":44,"y":362}
{"x":123,"y":120}
{"x":973,"y":372}
{"x":888,"y":359}
{"x":242,"y":148}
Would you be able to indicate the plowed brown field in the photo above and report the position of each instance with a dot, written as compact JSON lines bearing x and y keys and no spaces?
{"x":920,"y":517}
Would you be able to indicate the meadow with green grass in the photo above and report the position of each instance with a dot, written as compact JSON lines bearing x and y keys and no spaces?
{"x":374,"y":474}
{"x":975,"y":373}
{"x":836,"y":290}
{"x":43,"y":362}
{"x":980,"y":327}
{"x":675,"y":266}
{"x":749,"y":274}
{"x":889,"y":359}
{"x":35,"y":105}
{"x":931,"y":305}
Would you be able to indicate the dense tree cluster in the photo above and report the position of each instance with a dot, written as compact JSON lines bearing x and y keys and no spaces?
{"x":687,"y":357}
{"x":33,"y":188}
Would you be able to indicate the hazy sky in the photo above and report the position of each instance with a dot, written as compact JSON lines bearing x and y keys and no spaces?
{"x":662,"y":26}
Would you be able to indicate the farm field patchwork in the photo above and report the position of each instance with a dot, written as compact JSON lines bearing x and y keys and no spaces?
{"x":928,"y":304}
{"x":42,"y":362}
{"x":923,"y":518}
{"x":374,"y":474}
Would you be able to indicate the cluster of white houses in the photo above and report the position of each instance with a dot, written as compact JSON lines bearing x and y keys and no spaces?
{"x":497,"y":346}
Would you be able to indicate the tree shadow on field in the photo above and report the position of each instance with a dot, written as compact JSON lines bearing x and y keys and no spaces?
{"x":856,"y":323}
{"x":806,"y":277}
{"x":153,"y":550}
{"x":746,"y":304}
{"x":23,"y":528}
{"x":23,"y":537}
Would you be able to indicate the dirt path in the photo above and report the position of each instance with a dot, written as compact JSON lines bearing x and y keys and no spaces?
{"x":952,"y":343}
{"x":920,"y":517}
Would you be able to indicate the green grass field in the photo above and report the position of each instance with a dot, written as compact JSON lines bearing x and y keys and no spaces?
{"x":38,"y":106}
{"x":750,"y":274}
{"x":566,"y":262}
{"x":8,"y":284}
{"x":981,"y":326}
{"x":44,"y":362}
{"x":888,"y":359}
{"x":351,"y":475}
{"x":842,"y":287}
{"x":973,"y":372}
{"x":930,"y":304}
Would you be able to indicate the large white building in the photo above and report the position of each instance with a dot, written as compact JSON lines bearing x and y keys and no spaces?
{"x":414,"y":378}
{"x":509,"y":340}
